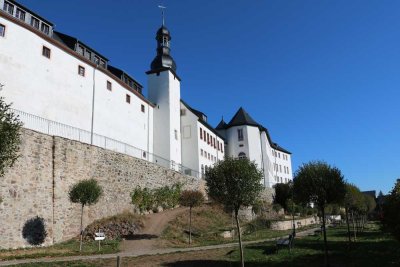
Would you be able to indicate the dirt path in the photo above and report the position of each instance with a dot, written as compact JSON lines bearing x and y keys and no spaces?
{"x":148,"y":239}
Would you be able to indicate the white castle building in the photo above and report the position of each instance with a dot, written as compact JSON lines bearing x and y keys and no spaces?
{"x":60,"y":86}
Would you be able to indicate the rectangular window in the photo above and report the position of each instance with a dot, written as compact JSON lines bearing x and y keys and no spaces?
{"x":81,"y":71}
{"x":109,"y":85}
{"x":142,"y":108}
{"x":217,"y":145}
{"x":35,"y":22}
{"x":88,"y":55}
{"x":201,"y":133}
{"x":201,"y":152}
{"x":46,"y":52}
{"x":183,"y":111}
{"x":45,"y":28}
{"x":20,"y":14}
{"x":240,"y":134}
{"x":176,"y":134}
{"x":8,"y":7}
{"x":96,"y":60}
{"x":128,"y":99}
{"x":81,"y":50}
{"x":2,"y":30}
{"x":208,"y":138}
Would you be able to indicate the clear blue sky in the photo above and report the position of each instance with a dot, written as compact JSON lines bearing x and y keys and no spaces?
{"x":322,"y":76}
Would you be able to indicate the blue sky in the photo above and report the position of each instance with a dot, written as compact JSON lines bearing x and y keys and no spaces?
{"x":322,"y":76}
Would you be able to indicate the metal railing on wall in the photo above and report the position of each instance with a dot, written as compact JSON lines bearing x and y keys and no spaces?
{"x":50,"y":127}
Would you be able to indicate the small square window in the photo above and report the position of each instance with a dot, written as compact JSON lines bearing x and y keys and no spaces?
{"x":109,"y":85}
{"x":176,"y":134}
{"x":128,"y":99}
{"x":81,"y":71}
{"x":2,"y":30}
{"x":142,"y":108}
{"x":46,"y":52}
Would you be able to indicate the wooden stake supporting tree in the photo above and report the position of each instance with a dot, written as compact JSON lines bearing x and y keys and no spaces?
{"x":191,"y":199}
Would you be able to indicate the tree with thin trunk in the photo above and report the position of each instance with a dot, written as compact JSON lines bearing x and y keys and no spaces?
{"x":10,"y":140}
{"x":191,"y":199}
{"x":319,"y":183}
{"x":85,"y":192}
{"x":351,"y":204}
{"x":234,"y":183}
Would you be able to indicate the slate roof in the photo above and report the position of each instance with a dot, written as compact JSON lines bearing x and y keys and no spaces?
{"x":71,"y":41}
{"x":200,"y":115}
{"x":221,"y":125}
{"x":243,"y":118}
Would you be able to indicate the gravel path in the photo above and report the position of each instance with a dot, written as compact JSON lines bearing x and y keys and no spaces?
{"x":148,"y":239}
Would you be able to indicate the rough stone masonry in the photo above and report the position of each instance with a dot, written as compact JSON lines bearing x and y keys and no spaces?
{"x":39,"y":182}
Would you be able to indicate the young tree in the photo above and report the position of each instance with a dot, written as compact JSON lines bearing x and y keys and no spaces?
{"x":85,"y":192}
{"x":283,"y":193}
{"x":9,"y":136}
{"x":352,"y":202}
{"x":234,"y":183}
{"x":391,"y":214}
{"x":191,"y":199}
{"x":321,"y":184}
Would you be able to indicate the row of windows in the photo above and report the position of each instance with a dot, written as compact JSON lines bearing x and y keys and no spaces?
{"x":21,"y":14}
{"x":208,"y":155}
{"x":83,"y":51}
{"x":212,"y":141}
{"x":279,"y":168}
{"x":278,"y":155}
{"x":281,"y":179}
{"x":46,"y":52}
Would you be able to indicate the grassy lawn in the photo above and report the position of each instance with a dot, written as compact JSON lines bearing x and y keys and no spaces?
{"x":208,"y":222}
{"x":373,"y":248}
{"x":69,"y":248}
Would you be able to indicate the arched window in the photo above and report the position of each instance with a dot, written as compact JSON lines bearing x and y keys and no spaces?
{"x":242,"y":155}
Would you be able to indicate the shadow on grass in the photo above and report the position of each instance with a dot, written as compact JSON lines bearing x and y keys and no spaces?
{"x":140,"y":237}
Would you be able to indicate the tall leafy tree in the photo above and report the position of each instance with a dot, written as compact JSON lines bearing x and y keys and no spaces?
{"x":391,"y":214}
{"x":10,"y":140}
{"x":235,"y":183}
{"x":283,"y":192}
{"x":85,"y":192}
{"x":319,"y":183}
{"x":191,"y":199}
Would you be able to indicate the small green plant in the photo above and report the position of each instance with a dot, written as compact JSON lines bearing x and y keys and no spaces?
{"x":149,"y":199}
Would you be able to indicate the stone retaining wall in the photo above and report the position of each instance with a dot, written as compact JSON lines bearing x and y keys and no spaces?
{"x":39,"y":182}
{"x":286,"y":225}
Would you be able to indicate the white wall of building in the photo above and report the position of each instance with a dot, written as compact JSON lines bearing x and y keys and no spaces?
{"x":53,"y":89}
{"x":190,"y":139}
{"x":164,"y":92}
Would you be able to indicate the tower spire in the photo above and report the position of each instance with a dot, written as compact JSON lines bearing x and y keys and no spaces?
{"x":162,"y":13}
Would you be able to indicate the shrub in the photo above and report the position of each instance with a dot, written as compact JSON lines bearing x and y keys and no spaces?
{"x":34,"y":231}
{"x":149,"y":199}
{"x":258,"y":224}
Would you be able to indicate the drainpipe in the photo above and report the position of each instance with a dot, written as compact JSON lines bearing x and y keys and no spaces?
{"x":93,"y":95}
{"x":262,"y":158}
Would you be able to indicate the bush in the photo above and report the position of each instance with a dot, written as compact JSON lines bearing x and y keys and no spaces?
{"x":115,"y":227}
{"x":34,"y":231}
{"x":149,"y":199}
{"x":258,"y":224}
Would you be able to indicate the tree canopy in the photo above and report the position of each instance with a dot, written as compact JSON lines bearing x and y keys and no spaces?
{"x":391,"y":214}
{"x":283,"y":192}
{"x":10,"y":127}
{"x":85,"y":192}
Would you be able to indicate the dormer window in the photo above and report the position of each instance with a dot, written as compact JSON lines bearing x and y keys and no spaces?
{"x":35,"y":22}
{"x":20,"y":14}
{"x":9,"y":8}
{"x":45,"y":28}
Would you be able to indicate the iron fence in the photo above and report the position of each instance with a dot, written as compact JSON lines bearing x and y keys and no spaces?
{"x":50,"y":127}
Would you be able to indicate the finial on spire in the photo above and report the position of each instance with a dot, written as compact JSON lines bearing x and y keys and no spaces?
{"x":162,"y":13}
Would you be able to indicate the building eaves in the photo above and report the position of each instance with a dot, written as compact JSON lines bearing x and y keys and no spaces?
{"x":199,"y":114}
{"x":30,"y":11}
{"x":119,"y":73}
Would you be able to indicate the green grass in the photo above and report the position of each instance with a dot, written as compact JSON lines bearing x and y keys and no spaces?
{"x":68,"y":248}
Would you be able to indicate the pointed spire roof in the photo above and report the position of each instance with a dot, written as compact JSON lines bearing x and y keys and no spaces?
{"x":242,"y":118}
{"x":221,"y":125}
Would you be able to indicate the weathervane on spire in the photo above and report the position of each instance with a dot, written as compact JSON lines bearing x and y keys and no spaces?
{"x":162,"y":13}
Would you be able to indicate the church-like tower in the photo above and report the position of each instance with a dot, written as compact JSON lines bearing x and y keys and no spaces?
{"x":164,"y":92}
